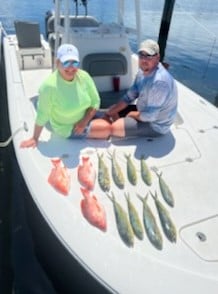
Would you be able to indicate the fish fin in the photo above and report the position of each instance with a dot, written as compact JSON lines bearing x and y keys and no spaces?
{"x":85,"y":192}
{"x":56,"y":161}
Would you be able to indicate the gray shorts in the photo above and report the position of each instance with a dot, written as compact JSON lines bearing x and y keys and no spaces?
{"x":134,"y":128}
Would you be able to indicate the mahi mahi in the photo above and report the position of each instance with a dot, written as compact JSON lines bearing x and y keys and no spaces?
{"x":145,"y":172}
{"x":134,"y":219}
{"x":131,"y":170}
{"x":150,"y":224}
{"x":103,"y":174}
{"x":166,"y":222}
{"x":123,"y":225}
{"x":165,"y":190}
{"x":117,"y":172}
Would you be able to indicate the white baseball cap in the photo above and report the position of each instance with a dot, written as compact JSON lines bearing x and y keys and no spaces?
{"x":67,"y":52}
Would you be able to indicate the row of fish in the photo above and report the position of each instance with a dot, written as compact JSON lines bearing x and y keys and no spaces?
{"x":60,"y":178}
{"x":119,"y":179}
{"x":117,"y":174}
{"x":129,"y":224}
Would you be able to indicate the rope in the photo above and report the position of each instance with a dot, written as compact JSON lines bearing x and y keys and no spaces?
{"x":7,"y":142}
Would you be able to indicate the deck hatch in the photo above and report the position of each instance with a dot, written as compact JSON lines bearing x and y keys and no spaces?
{"x":202,"y":238}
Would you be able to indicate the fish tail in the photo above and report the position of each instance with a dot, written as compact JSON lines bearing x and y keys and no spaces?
{"x":154,"y":196}
{"x":111,"y":197}
{"x":110,"y":155}
{"x":99,"y":155}
{"x":141,"y":198}
{"x":56,"y":161}
{"x":127,"y":155}
{"x":126,"y":196}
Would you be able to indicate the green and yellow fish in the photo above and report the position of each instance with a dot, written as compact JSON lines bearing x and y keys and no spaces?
{"x":131,"y":170}
{"x":103,"y":174}
{"x":145,"y":172}
{"x":134,"y":219}
{"x":166,"y":222}
{"x":117,"y":174}
{"x":165,"y":190}
{"x":150,"y":224}
{"x":123,"y":225}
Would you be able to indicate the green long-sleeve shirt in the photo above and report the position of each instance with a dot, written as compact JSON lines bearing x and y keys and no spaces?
{"x":63,"y":103}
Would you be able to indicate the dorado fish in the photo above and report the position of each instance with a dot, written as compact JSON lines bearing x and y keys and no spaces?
{"x":92,"y":210}
{"x":59,"y":177}
{"x":134,"y":219}
{"x":117,"y":172}
{"x":86,"y":173}
{"x":150,"y":224}
{"x":123,"y":225}
{"x":165,"y":190}
{"x":145,"y":172}
{"x":103,"y":174}
{"x":166,"y":222}
{"x":131,"y":170}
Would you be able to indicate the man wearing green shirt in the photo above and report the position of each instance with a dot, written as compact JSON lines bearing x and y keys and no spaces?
{"x":68,"y":100}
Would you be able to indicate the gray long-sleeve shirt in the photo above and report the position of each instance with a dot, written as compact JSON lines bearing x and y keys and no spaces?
{"x":156,"y":96}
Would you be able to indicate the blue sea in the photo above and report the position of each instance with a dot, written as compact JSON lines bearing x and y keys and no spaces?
{"x":192,"y":48}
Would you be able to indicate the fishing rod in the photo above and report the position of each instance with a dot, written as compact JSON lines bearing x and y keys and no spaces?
{"x":7,"y":142}
{"x":76,"y":4}
{"x":84,"y":3}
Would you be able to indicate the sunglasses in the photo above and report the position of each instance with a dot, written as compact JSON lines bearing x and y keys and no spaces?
{"x":142,"y":55}
{"x":70,"y":63}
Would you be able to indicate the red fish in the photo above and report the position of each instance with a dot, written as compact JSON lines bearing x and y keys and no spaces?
{"x":59,"y":177}
{"x":93,"y":211}
{"x":86,"y":173}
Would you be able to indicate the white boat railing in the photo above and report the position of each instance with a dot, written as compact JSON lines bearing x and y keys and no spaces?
{"x":63,"y":31}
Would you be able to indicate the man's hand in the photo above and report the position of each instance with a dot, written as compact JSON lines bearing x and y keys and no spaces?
{"x":134,"y":114}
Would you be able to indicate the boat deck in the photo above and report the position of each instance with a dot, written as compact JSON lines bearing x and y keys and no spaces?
{"x":185,"y":157}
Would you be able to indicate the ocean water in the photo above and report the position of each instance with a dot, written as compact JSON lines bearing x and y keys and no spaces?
{"x":192,"y":48}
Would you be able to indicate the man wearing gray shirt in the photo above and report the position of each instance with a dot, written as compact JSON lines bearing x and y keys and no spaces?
{"x":155,"y":93}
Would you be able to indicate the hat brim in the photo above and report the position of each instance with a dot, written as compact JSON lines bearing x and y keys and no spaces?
{"x":147,"y":50}
{"x":69,"y":57}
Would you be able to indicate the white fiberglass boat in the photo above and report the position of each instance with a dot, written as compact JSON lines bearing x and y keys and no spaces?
{"x":186,"y":157}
